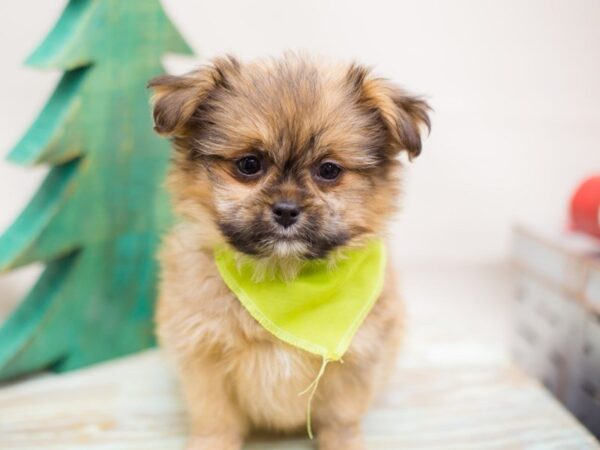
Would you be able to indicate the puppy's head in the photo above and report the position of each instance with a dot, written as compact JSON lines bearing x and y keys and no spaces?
{"x":289,"y":157}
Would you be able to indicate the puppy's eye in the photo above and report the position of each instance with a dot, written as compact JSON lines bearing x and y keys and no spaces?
{"x":329,"y":171}
{"x":249,"y":165}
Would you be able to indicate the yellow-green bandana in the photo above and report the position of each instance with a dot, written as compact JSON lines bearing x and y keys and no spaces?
{"x":321,"y":309}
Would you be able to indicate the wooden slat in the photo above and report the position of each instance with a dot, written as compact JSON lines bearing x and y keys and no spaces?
{"x":133,"y":404}
{"x":454,"y":389}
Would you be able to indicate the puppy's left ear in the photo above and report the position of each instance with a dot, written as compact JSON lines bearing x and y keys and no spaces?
{"x":177,"y":98}
{"x":403,"y":115}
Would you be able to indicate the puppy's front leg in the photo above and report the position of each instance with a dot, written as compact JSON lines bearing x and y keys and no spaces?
{"x":216,"y":423}
{"x":336,"y":436}
{"x":344,"y":397}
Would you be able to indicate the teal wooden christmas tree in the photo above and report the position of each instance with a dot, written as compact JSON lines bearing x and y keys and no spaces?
{"x":96,"y":219}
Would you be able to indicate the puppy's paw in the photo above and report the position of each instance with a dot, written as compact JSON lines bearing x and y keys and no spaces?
{"x":339,"y":437}
{"x":215,"y":442}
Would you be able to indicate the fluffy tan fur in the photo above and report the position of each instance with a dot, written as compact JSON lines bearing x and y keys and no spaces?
{"x":293,"y":113}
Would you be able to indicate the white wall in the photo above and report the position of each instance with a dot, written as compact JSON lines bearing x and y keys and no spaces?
{"x":515,"y":86}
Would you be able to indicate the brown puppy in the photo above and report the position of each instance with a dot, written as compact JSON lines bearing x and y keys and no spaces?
{"x":284,"y":160}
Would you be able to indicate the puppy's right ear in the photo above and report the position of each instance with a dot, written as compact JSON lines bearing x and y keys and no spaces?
{"x":177,"y":98}
{"x":402,"y":114}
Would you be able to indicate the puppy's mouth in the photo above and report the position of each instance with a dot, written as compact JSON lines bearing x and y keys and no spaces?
{"x":262,"y":239}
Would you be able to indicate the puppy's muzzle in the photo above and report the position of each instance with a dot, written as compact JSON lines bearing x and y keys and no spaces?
{"x":286,"y":213}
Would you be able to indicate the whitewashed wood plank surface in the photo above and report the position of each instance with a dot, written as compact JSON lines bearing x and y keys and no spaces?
{"x":454,"y":390}
{"x":133,"y":404}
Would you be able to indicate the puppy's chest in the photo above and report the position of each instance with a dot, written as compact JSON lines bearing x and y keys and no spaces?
{"x":265,"y":374}
{"x":266,"y":379}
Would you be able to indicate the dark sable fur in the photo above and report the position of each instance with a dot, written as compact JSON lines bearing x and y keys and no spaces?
{"x":248,"y":239}
{"x":294,"y":114}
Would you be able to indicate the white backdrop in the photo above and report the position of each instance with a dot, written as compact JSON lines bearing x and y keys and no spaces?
{"x":515,"y":86}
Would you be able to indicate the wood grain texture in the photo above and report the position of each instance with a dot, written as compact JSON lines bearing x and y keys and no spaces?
{"x":96,"y":218}
{"x":454,"y":389}
{"x":449,"y":393}
{"x":556,"y":332}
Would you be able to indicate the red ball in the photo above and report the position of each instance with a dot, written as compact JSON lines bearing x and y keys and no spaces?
{"x":585,"y":207}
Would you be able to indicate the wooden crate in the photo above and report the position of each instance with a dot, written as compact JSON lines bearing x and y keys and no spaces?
{"x":556,"y":333}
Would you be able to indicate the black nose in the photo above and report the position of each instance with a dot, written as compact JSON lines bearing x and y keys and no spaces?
{"x":286,"y":213}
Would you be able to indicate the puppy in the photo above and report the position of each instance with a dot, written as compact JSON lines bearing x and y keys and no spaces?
{"x":322,"y":140}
